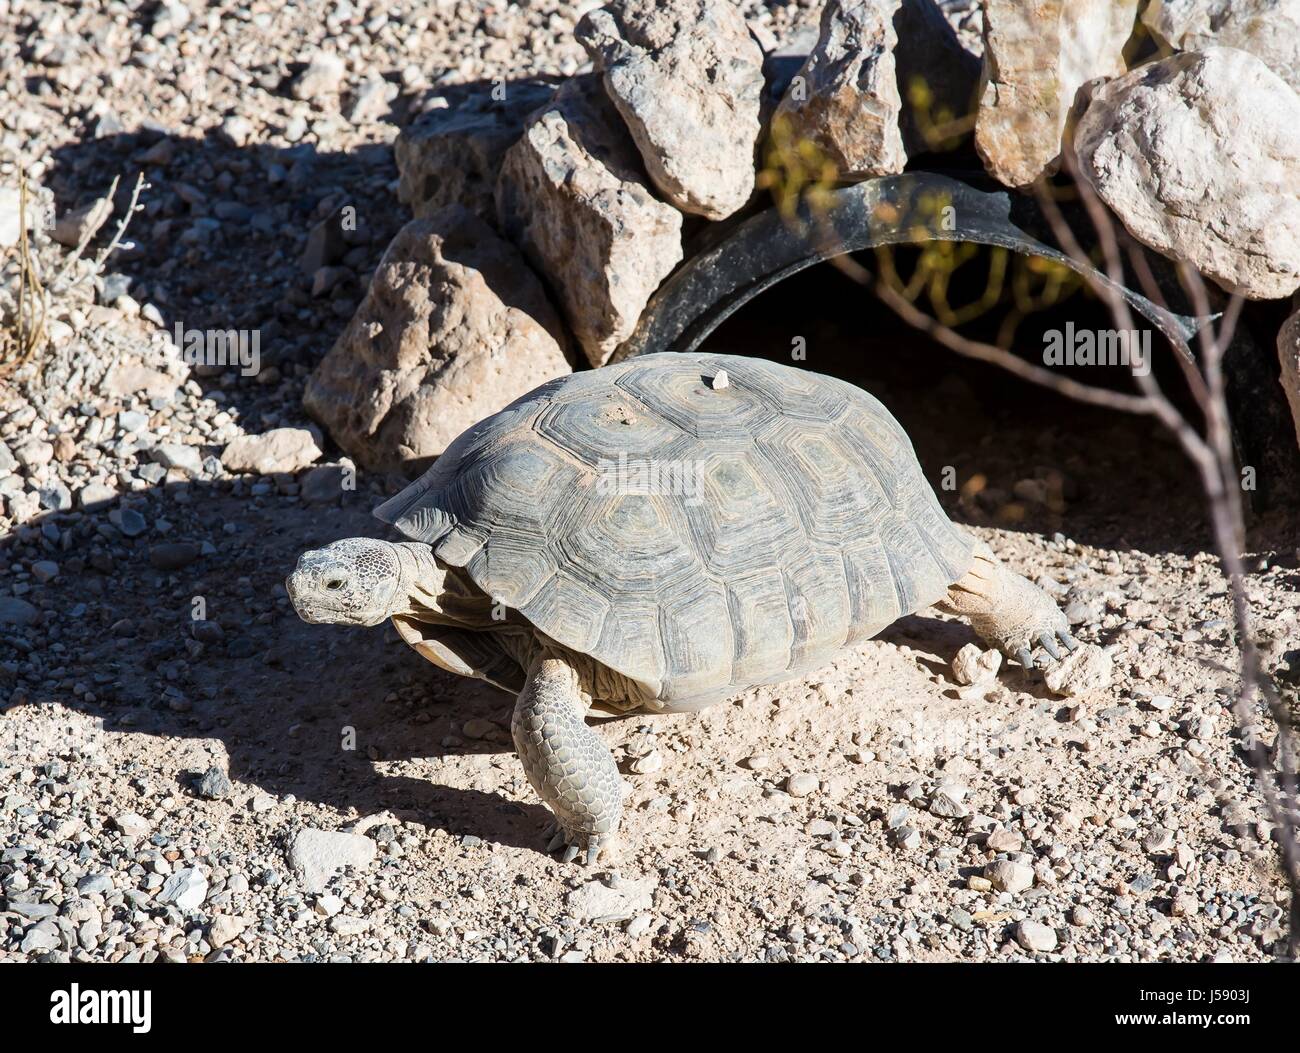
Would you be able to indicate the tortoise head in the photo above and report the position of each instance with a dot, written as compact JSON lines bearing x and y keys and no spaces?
{"x":355,"y":581}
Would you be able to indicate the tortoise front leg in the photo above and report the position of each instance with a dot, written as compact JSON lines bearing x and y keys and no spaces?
{"x":1008,"y":610}
{"x":571,"y":769}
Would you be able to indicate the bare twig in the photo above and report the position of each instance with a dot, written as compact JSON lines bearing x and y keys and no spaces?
{"x":97,"y":266}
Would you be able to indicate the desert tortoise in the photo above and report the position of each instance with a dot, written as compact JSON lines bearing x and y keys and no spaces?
{"x":661,"y":534}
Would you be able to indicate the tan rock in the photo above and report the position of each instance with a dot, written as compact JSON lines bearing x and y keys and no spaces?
{"x":845,"y":99}
{"x":571,"y":195}
{"x":1199,"y":156}
{"x":1038,"y":54}
{"x":278,"y":450}
{"x":225,"y":928}
{"x":973,"y":665}
{"x":452,"y":154}
{"x":453,"y":327}
{"x":687,"y":77}
{"x":1268,"y":29}
{"x":1085,"y":670}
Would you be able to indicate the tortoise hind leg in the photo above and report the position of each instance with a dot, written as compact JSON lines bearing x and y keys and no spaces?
{"x":1007,"y":610}
{"x":568,"y":765}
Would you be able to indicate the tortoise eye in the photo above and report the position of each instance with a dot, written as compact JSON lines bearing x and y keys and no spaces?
{"x":334,"y":584}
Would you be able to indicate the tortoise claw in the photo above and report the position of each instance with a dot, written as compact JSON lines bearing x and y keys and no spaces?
{"x":1071,"y":644}
{"x":1024,"y":658}
{"x":1049,"y":645}
{"x":585,"y":848}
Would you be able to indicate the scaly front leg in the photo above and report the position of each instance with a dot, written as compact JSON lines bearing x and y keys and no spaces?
{"x":571,"y":769}
{"x":1008,"y":611}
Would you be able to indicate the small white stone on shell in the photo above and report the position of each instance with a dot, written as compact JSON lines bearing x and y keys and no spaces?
{"x":721,"y":380}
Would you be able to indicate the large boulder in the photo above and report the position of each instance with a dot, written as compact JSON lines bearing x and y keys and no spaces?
{"x":1199,"y":156}
{"x":453,"y":327}
{"x":845,"y":99}
{"x":1038,"y":53}
{"x":452,"y":154}
{"x":687,"y":77}
{"x":572,"y":195}
{"x":1268,"y":29}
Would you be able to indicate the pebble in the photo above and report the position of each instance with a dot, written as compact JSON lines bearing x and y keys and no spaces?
{"x":1004,"y":841}
{"x":974,"y":665}
{"x":94,"y":496}
{"x":946,"y":801}
{"x":347,"y":925}
{"x":224,"y":929}
{"x":129,"y":521}
{"x":1036,"y":937}
{"x":1008,"y":876}
{"x":132,"y":824}
{"x":214,"y":785}
{"x":316,"y":855}
{"x":172,"y":555}
{"x":95,"y":883}
{"x":169,"y":455}
{"x":14,"y":611}
{"x":802,"y":785}
{"x":186,"y":888}
{"x":649,"y":764}
{"x":478,"y":728}
{"x":1159,"y":841}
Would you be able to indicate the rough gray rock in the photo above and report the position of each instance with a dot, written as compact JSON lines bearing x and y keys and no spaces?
{"x":317,"y":854}
{"x":845,"y":98}
{"x":1199,"y":157}
{"x":188,"y":459}
{"x":452,"y":154}
{"x":1038,"y":54}
{"x":571,"y":196}
{"x":1268,"y":29}
{"x":454,"y":327}
{"x":687,"y":77}
{"x":214,"y":784}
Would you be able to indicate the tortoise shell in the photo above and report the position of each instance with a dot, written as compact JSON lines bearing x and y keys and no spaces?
{"x":695,"y":536}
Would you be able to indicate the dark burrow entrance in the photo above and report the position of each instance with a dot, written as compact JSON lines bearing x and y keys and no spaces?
{"x":999,"y":450}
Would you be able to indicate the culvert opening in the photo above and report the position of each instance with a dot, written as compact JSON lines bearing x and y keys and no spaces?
{"x":998,"y":450}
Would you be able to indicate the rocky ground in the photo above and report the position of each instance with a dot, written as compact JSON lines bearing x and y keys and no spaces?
{"x":188,"y":772}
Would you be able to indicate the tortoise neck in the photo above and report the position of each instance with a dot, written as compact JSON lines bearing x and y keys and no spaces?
{"x":422,"y":579}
